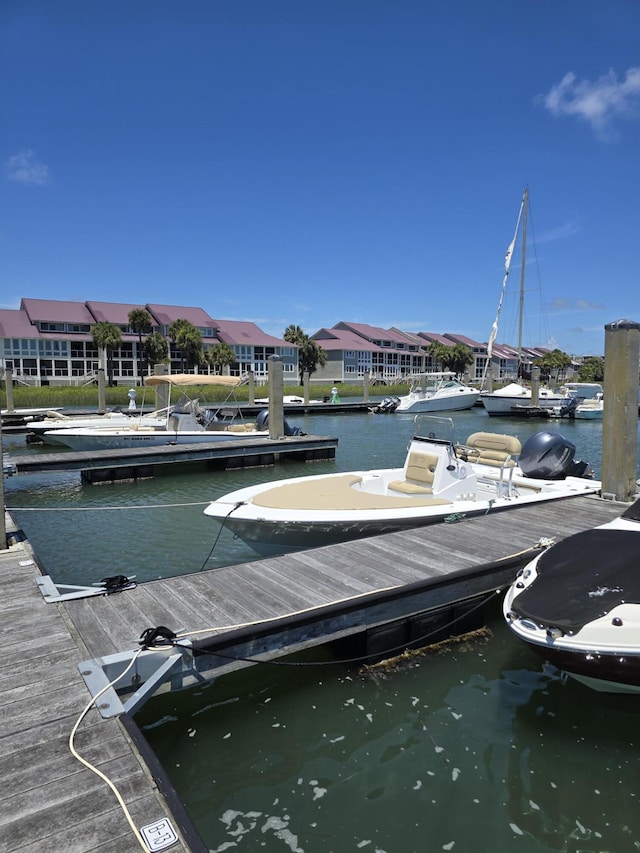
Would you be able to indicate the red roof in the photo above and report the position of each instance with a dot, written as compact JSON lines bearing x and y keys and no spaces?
{"x":343,"y":339}
{"x":373,"y":333}
{"x":463,"y":339}
{"x":15,"y":324}
{"x":239,"y":332}
{"x":168,"y":314}
{"x":432,"y":337}
{"x":113,"y":312}
{"x":56,"y":311}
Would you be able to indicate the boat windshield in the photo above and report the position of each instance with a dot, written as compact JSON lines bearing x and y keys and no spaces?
{"x":427,"y":426}
{"x":429,"y":383}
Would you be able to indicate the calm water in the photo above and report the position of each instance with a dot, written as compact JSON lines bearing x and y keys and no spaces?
{"x":478,"y":747}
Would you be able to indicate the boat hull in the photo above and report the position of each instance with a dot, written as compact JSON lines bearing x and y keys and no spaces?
{"x":271,"y":537}
{"x":607,"y":673}
{"x":503,"y":406}
{"x":95,"y":439}
{"x":451,"y":403}
{"x":578,"y":605}
{"x":270,"y":531}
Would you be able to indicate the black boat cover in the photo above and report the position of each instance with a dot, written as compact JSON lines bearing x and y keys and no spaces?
{"x":582,"y":578}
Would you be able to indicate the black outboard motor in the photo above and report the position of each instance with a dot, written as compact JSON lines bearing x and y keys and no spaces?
{"x":389,"y":404}
{"x":550,"y":456}
{"x":568,"y":410}
{"x":262,"y":422}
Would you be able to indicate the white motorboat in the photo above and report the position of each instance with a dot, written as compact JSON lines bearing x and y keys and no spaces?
{"x":25,"y":414}
{"x":185,"y":422}
{"x":577,"y":604}
{"x":439,"y":480}
{"x":436,"y":392}
{"x":584,"y":401}
{"x":505,"y":401}
{"x":42,"y":430}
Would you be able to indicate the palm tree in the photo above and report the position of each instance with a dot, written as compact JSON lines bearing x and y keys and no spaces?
{"x":140,"y":321}
{"x":592,"y":369}
{"x":188,"y":340}
{"x":554,"y":362}
{"x":219,"y":356}
{"x":460,"y":357}
{"x":107,"y":336}
{"x":439,"y":352}
{"x":156,"y":349}
{"x":310,"y":353}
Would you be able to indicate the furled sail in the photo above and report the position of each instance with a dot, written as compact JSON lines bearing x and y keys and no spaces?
{"x":507,"y":269}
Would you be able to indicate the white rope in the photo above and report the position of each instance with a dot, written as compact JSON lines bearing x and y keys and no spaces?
{"x":96,"y":508}
{"x":92,"y":767}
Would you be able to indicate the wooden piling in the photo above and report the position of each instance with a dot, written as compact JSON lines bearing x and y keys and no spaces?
{"x":8,"y":387}
{"x":276,"y":390}
{"x":102,"y":399}
{"x":535,"y":385}
{"x":620,"y":416}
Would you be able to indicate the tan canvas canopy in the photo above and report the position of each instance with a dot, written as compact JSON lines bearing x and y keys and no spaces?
{"x":190,"y":379}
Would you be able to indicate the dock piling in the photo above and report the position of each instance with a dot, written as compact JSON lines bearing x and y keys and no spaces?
{"x":620,"y":416}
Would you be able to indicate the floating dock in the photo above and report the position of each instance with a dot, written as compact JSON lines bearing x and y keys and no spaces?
{"x":372,"y":592}
{"x":135,"y":463}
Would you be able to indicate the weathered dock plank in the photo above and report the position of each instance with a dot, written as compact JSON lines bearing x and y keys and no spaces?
{"x":48,"y":800}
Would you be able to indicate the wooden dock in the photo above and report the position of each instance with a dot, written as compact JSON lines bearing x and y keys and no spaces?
{"x":51,"y":802}
{"x":133,"y":463}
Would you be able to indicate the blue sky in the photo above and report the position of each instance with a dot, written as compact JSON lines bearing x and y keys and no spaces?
{"x":310,"y":161}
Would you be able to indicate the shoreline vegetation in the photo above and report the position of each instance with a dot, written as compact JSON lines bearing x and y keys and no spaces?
{"x":117,"y":396}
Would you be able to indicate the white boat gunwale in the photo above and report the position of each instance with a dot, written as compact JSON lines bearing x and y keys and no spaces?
{"x":439,"y":479}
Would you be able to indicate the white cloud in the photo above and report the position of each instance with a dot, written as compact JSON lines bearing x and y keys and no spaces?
{"x":599,"y":102}
{"x":25,"y":168}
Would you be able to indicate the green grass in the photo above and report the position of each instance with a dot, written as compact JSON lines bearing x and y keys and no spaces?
{"x":87,"y":396}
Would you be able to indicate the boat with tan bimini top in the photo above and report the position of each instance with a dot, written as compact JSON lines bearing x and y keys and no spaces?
{"x":186,"y":421}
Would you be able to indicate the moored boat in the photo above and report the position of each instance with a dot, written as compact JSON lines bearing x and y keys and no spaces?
{"x":185,"y":422}
{"x":505,"y":401}
{"x":439,"y":479}
{"x":53,"y":421}
{"x":584,"y":401}
{"x":577,"y":604}
{"x":436,"y":392}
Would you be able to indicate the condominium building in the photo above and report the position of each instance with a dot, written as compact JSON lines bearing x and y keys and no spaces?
{"x":50,"y":342}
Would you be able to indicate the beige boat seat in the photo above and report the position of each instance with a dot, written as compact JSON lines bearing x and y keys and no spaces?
{"x":419,"y":475}
{"x":246,"y":427}
{"x":489,"y":448}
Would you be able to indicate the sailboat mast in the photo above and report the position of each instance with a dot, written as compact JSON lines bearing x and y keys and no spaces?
{"x":525,"y":205}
